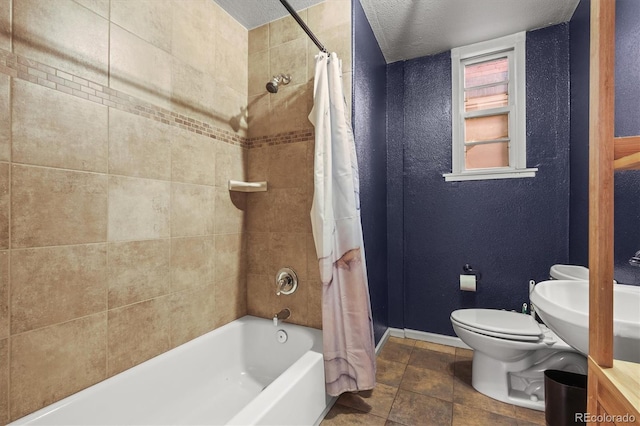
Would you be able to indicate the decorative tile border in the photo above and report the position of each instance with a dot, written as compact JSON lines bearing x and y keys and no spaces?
{"x":17,"y":66}
{"x":281,"y":138}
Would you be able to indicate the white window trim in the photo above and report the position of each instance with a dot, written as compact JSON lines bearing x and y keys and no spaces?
{"x":515,"y":44}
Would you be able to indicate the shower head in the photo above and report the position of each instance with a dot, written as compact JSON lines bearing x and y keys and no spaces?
{"x":272,"y":86}
{"x":283,"y":79}
{"x":635,"y":259}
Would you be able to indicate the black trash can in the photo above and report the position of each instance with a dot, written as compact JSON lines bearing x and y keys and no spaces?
{"x":565,"y":395}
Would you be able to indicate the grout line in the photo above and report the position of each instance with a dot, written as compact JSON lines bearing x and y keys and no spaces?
{"x":8,"y":337}
{"x":101,"y":312}
{"x":109,"y":45}
{"x":107,"y":173}
{"x":10,"y":234}
{"x":106,"y":339}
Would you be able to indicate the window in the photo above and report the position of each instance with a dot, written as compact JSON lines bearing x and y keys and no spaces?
{"x":488,"y":109}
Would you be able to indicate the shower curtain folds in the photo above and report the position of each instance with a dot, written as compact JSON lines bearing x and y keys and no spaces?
{"x":349,"y":353}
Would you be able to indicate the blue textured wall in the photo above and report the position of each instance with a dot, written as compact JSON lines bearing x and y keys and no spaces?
{"x":369,"y":121}
{"x":510,"y":230}
{"x":395,"y":194}
{"x":579,"y":207}
{"x":627,"y":123}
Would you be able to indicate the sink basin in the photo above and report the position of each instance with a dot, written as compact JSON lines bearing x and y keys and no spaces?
{"x":563,"y":305}
{"x":569,"y":272}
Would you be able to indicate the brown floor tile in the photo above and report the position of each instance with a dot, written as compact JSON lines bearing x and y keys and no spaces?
{"x":422,"y":383}
{"x":528,"y":416}
{"x":340,"y":415}
{"x":389,"y":372}
{"x":428,"y":382}
{"x":462,"y":370}
{"x":397,"y":352}
{"x":377,"y":401}
{"x":432,"y":360}
{"x":465,"y":394}
{"x":527,"y":423}
{"x":436,"y":347}
{"x":469,"y":416}
{"x":411,"y":408}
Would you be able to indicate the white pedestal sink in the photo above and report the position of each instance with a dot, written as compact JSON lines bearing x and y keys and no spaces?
{"x":563,"y":305}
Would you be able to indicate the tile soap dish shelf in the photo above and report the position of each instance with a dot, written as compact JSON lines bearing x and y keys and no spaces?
{"x":236,"y":185}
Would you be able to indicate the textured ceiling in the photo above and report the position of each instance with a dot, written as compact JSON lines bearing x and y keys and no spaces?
{"x":408,"y":29}
{"x":254,"y":13}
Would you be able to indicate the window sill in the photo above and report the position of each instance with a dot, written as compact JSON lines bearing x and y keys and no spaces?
{"x":491,"y":174}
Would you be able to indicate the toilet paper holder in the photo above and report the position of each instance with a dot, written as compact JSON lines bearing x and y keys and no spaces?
{"x":468,"y":270}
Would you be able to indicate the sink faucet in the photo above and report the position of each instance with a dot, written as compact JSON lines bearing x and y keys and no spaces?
{"x":281,"y":316}
{"x":635,"y":259}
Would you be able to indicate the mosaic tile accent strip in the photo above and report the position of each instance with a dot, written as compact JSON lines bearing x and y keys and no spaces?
{"x":281,"y":138}
{"x":17,"y":66}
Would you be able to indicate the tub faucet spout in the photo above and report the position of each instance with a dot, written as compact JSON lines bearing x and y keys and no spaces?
{"x":281,"y":316}
{"x":635,"y":259}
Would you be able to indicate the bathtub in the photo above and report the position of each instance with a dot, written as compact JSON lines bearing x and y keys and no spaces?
{"x":238,"y":374}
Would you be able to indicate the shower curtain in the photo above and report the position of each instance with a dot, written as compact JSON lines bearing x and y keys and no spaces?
{"x":347,"y":325}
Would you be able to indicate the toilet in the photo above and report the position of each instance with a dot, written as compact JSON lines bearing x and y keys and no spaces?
{"x":511,"y":350}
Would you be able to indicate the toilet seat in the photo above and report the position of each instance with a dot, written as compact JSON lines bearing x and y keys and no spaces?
{"x":516,"y":337}
{"x":499,"y":324}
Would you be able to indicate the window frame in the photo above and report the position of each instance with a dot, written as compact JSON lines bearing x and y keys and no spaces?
{"x":512,"y":47}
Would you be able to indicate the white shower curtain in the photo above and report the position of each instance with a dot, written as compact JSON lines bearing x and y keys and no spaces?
{"x":347,"y":326}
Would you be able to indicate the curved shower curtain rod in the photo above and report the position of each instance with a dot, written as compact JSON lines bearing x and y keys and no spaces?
{"x":304,"y":26}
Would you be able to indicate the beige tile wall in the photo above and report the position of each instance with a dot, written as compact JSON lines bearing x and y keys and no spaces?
{"x":118,"y":237}
{"x":62,"y":34}
{"x":278,"y":224}
{"x":51,"y":136}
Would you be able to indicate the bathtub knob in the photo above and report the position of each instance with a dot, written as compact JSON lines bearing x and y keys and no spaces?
{"x":286,"y":281}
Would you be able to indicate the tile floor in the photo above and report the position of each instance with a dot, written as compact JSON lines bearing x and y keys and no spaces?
{"x":422,"y":383}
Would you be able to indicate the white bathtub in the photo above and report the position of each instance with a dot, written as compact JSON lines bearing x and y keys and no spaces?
{"x":238,"y":374}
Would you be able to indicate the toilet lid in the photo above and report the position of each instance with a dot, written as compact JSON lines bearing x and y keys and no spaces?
{"x":505,"y":323}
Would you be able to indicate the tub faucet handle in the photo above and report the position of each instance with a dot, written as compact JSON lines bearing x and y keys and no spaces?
{"x":286,"y":281}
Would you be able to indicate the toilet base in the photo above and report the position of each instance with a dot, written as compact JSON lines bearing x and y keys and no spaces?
{"x":521,"y":382}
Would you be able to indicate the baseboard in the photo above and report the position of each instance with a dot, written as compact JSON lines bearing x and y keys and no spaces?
{"x":435,"y":338}
{"x":383,"y":341}
{"x":397,"y":332}
{"x":420,"y":335}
